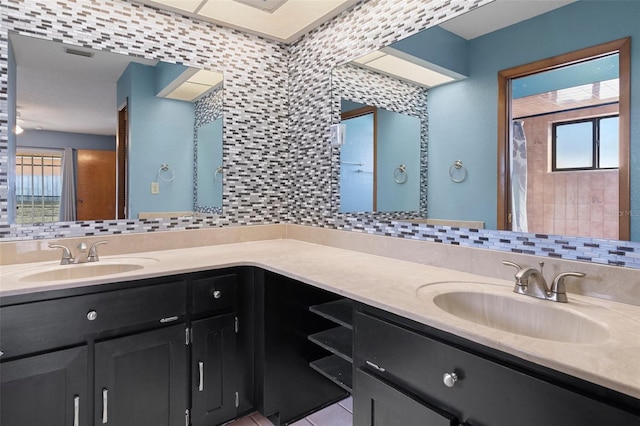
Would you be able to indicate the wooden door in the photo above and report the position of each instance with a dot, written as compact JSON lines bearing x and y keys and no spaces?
{"x":49,"y":389}
{"x":96,"y":185}
{"x":141,"y":379}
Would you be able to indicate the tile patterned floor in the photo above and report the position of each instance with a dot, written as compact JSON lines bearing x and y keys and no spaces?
{"x":339,"y":414}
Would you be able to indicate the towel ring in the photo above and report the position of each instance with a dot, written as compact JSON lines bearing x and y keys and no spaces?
{"x":457,"y":165}
{"x":164,"y":168}
{"x":400,"y":174}
{"x":218,"y":172}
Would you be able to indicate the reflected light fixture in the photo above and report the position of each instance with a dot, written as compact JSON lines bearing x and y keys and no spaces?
{"x":406,"y":67}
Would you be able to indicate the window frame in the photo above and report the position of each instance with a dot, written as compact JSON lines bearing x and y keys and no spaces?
{"x":595,"y":143}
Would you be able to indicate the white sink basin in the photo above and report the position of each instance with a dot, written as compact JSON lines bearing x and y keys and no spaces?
{"x":101,"y":268}
{"x":499,"y":308}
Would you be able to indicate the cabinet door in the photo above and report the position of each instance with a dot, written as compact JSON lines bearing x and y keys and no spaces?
{"x":49,"y":389}
{"x":213,"y":370}
{"x":141,"y":380}
{"x":377,"y":403}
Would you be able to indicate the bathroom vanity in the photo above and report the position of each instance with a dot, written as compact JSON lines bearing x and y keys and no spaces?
{"x":271,"y":325}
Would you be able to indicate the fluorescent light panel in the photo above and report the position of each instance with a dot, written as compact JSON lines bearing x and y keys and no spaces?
{"x":406,"y":67}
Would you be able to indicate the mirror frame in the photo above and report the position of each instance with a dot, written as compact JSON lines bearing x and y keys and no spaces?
{"x":621,"y":46}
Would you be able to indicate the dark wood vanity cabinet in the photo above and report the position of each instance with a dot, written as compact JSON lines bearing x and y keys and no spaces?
{"x":287,"y":387}
{"x":400,"y":370}
{"x":46,"y":389}
{"x":152,"y":352}
{"x":141,"y":379}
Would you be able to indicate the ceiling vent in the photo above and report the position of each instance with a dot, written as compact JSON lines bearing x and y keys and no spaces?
{"x":264,"y":5}
{"x":77,"y":52}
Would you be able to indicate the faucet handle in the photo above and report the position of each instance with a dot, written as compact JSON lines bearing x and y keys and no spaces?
{"x":515,"y":265}
{"x":93,"y":251}
{"x":67,"y":258}
{"x":558,"y":290}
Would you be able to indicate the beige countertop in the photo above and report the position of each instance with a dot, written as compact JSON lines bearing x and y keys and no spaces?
{"x":391,"y":285}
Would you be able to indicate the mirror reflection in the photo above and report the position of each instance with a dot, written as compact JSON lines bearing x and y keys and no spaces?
{"x":380,"y":160}
{"x":106,"y":136}
{"x":462,"y":109}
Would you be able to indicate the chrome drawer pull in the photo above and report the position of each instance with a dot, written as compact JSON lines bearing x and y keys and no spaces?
{"x":105,"y":401}
{"x":92,"y":315}
{"x":217,"y":294}
{"x":450,"y":379}
{"x":76,"y":410}
{"x":377,"y":367}
{"x":201,"y":376}
{"x":168,"y":319}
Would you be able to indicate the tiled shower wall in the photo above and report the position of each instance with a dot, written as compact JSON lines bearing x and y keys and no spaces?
{"x":279,"y":166}
{"x":568,"y":203}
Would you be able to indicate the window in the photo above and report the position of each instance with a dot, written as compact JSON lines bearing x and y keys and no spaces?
{"x":586,"y":144}
{"x":38,"y":186}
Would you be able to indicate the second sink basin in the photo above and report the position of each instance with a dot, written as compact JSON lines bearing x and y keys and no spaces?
{"x":501,"y":309}
{"x":85,"y":270}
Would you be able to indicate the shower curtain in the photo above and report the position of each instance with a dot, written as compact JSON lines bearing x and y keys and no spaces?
{"x":68,"y":195}
{"x":518,"y":177}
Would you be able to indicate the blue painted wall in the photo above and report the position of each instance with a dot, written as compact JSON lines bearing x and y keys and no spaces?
{"x":463,"y":115}
{"x":160,"y":131}
{"x":398,"y":142}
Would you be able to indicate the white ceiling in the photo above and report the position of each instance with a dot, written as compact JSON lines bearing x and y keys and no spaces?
{"x":67,"y":93}
{"x":280,"y":20}
{"x":499,"y":14}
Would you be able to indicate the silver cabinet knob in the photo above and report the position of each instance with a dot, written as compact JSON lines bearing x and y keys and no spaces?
{"x":217,"y":294}
{"x":450,"y":379}
{"x":92,"y":315}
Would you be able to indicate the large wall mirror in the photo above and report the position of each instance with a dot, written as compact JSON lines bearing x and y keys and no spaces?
{"x":103,"y":136}
{"x":581,"y":104}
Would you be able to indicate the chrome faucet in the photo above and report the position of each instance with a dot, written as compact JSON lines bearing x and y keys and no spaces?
{"x":531,"y":282}
{"x":67,"y":258}
{"x":81,"y":248}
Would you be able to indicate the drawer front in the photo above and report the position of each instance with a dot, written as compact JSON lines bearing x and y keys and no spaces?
{"x":40,"y":326}
{"x":214,"y":293}
{"x":485,"y":392}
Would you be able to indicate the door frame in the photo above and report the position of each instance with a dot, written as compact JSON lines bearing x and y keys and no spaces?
{"x":623,"y":48}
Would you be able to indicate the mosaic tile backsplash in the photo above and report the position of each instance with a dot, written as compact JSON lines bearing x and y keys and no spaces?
{"x":279,"y":166}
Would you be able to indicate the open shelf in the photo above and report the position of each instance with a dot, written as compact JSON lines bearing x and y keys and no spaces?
{"x":339,"y":311}
{"x":335,"y":369}
{"x":338,"y":340}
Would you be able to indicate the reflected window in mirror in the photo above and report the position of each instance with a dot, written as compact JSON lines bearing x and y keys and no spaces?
{"x":565,"y":143}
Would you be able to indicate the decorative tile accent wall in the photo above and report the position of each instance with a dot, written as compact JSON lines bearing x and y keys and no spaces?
{"x":255,"y":101}
{"x":371,"y":88}
{"x":368,"y":27}
{"x":279,"y":166}
{"x":207,"y":109}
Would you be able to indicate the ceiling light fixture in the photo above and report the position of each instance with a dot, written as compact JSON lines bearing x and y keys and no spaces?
{"x":265,"y":5}
{"x":406,"y":67}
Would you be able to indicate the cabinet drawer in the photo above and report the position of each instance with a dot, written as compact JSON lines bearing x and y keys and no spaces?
{"x":39,"y":326}
{"x":486,"y":392}
{"x":214,"y":293}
